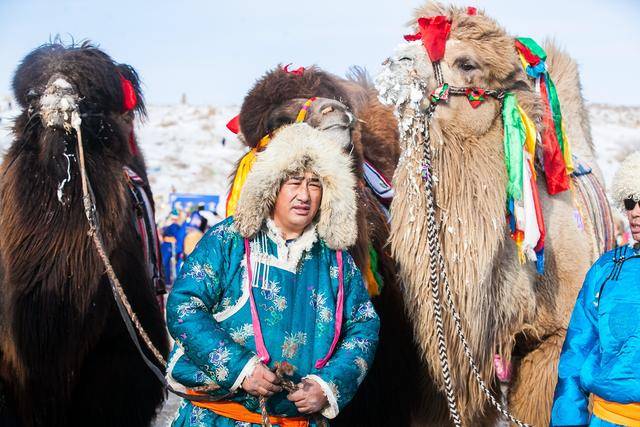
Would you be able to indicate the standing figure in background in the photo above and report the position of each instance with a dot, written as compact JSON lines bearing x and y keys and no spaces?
{"x":172,"y":247}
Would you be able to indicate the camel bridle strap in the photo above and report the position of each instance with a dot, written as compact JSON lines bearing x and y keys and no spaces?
{"x":437,"y":267}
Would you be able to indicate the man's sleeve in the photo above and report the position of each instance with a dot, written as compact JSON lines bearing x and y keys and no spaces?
{"x":347,"y":368}
{"x":190,"y":307}
{"x":571,"y":402}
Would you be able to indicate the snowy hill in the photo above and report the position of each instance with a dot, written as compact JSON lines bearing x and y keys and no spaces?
{"x":183,"y":145}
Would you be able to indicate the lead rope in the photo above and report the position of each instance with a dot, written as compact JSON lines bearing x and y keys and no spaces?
{"x":434,"y":243}
{"x":94,"y":232}
{"x":435,"y":251}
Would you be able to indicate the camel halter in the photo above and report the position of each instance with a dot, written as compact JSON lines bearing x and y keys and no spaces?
{"x":435,"y":31}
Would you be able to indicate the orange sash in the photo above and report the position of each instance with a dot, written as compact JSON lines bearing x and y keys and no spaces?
{"x":238,"y":412}
{"x":617,"y":413}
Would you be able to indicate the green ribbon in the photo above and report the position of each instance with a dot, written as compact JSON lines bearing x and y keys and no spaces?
{"x":533,"y":47}
{"x":375,"y":266}
{"x":514,"y":138}
{"x":554,"y":102}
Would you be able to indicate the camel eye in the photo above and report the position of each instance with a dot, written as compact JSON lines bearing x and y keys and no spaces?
{"x":467,"y":66}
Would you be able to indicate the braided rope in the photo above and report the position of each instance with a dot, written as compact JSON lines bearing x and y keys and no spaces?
{"x":433,"y":241}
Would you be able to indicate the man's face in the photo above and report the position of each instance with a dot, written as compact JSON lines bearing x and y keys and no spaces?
{"x":298,"y":202}
{"x":633,"y":216}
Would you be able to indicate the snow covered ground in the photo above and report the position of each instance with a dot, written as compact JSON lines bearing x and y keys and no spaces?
{"x":185,"y":153}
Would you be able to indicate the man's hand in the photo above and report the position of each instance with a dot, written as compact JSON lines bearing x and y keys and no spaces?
{"x":309,"y":397}
{"x":261,"y":382}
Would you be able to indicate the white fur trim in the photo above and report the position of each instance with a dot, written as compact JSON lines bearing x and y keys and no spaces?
{"x":294,"y":148}
{"x":626,"y":181}
{"x":246,"y":371}
{"x":332,"y":410}
{"x":289,"y":254}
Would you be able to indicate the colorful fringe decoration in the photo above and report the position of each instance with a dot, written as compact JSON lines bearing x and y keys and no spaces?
{"x":523,"y":202}
{"x":556,"y":151}
{"x":371,"y":274}
{"x":247,"y":161}
{"x":241,"y":174}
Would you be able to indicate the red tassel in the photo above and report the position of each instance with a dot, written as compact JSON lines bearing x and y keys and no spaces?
{"x":472,"y":11}
{"x":475,"y":96}
{"x":297,"y":72}
{"x":435,"y":31}
{"x":413,"y":37}
{"x":129,"y":99}
{"x":234,"y":124}
{"x":555,"y":169}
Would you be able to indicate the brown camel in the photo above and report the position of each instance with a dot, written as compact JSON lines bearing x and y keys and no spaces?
{"x":506,"y":308}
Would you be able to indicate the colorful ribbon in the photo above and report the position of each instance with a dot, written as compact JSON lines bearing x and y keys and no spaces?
{"x":523,"y":202}
{"x":557,"y":159}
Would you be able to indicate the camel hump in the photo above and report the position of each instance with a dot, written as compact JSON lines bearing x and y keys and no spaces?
{"x":564,"y":73}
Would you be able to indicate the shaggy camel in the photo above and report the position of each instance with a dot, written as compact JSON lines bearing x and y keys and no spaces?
{"x":506,"y":308}
{"x":66,"y":358}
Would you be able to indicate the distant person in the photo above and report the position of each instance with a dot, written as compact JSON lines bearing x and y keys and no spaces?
{"x":172,"y":246}
{"x":601,"y":353}
{"x":196,"y":227}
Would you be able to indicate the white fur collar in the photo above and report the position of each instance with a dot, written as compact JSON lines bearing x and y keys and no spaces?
{"x":288,"y":255}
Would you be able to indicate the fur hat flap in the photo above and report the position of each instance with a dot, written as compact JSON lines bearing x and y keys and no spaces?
{"x":295,"y":148}
{"x":626,"y":181}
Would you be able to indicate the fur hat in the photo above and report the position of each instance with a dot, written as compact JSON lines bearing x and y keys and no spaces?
{"x":295,"y":148}
{"x":626,"y":182}
{"x":275,"y":88}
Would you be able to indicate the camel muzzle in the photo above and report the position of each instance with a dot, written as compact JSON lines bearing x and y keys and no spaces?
{"x":58,"y":103}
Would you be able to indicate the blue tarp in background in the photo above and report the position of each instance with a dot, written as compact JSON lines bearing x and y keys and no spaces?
{"x":188,"y":201}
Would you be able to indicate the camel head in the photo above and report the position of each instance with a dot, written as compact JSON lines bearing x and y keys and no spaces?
{"x":55,"y":80}
{"x":278,"y":97}
{"x":478,"y":53}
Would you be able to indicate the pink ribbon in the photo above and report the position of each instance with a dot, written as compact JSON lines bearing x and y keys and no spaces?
{"x":263,"y":354}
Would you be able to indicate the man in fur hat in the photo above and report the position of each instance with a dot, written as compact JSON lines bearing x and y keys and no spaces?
{"x":601,"y":353}
{"x":272,"y":284}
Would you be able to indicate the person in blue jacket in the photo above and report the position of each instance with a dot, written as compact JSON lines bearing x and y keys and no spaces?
{"x":272,"y":286}
{"x":600,"y":359}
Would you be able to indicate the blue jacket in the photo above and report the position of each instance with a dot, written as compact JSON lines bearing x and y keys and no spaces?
{"x":601,"y":352}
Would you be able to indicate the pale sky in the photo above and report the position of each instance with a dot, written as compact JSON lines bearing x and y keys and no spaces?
{"x":214,"y":50}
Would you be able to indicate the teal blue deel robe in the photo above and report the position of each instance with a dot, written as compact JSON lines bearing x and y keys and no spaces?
{"x":295,"y":287}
